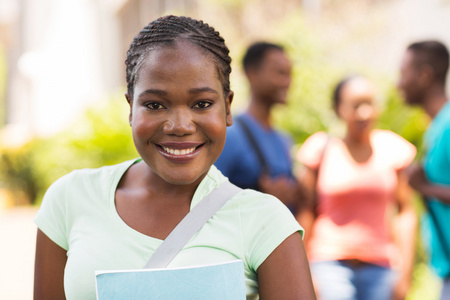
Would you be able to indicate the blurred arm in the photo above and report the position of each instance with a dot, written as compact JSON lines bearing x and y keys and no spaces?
{"x":419,"y":182}
{"x":307,"y":215}
{"x":286,"y":189}
{"x":405,"y":230}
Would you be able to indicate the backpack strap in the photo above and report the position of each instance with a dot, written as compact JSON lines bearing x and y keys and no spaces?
{"x":190,"y":224}
{"x":252,"y":140}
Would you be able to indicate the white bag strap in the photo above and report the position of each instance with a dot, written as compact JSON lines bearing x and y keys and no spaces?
{"x":190,"y":224}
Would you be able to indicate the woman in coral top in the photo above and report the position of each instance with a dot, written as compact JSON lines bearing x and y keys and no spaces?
{"x":363,"y":224}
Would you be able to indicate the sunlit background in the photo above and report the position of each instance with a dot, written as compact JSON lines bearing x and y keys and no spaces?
{"x":62,"y":80}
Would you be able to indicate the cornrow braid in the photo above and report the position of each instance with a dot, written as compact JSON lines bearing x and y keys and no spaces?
{"x":166,"y":31}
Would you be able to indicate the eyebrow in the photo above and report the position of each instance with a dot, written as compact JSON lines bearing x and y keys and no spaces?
{"x":202,"y":89}
{"x":153,"y":92}
{"x":191,"y":91}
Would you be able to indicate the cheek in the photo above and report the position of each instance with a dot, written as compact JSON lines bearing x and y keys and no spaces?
{"x":215,"y":127}
{"x":143,"y":127}
{"x":342,"y":113}
{"x":410,"y":83}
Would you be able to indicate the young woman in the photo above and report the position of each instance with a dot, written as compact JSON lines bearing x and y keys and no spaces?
{"x":115,"y":217}
{"x":361,"y":194}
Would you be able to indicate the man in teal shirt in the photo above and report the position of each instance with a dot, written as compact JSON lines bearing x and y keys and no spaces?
{"x":423,"y":76}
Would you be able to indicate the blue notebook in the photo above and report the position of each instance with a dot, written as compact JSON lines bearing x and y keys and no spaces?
{"x":224,"y":281}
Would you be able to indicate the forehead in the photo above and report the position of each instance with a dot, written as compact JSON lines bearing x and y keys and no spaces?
{"x":276,"y":57}
{"x":182,"y":62}
{"x":180,"y":53}
{"x":357,"y":88}
{"x":408,"y":60}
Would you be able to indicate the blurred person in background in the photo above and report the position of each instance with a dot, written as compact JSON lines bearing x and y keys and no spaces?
{"x":256,"y":155}
{"x":360,"y":213}
{"x":422,"y":82}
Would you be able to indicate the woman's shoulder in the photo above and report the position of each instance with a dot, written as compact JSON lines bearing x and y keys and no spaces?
{"x":257,"y":204}
{"x":393,"y":148}
{"x":310,"y":153}
{"x":319,"y":137}
{"x":92,"y":176}
{"x":387,"y":137}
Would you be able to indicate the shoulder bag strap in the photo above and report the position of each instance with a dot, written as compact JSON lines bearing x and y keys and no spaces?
{"x":252,"y":140}
{"x":190,"y":224}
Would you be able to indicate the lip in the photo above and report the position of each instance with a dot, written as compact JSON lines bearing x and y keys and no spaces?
{"x":363,"y":124}
{"x":179,"y":158}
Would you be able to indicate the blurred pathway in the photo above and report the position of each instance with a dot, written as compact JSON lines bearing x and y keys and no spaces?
{"x":17,"y":244}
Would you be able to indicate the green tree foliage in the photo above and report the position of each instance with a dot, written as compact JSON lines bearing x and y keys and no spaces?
{"x":100,"y":137}
{"x":315,"y":74}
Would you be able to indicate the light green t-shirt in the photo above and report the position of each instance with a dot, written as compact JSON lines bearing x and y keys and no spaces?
{"x":78,"y":213}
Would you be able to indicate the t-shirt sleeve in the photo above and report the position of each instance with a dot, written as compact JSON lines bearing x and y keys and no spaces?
{"x":446,"y":140}
{"x":51,"y":217}
{"x":401,"y":151}
{"x":310,"y":153}
{"x":266,"y":224}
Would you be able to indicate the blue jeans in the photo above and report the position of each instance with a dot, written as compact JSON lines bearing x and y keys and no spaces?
{"x":445,"y":293}
{"x":346,"y":280}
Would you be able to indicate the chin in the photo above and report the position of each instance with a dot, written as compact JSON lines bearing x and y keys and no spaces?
{"x":280,"y":101}
{"x":412,"y":100}
{"x":183,"y":178}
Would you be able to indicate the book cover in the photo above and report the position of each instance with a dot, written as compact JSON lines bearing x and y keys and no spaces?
{"x":223,"y":281}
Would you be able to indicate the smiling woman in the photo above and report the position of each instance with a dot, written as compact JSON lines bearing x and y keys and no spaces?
{"x":115,"y":217}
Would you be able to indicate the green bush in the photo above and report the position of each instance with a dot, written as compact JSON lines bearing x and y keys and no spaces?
{"x":102,"y":136}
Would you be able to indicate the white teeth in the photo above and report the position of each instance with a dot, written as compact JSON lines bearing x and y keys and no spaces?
{"x":179,"y":152}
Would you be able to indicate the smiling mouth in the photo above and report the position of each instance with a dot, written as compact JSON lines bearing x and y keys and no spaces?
{"x":179,"y":151}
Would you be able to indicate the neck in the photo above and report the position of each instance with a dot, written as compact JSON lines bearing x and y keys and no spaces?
{"x":352,"y":139}
{"x":435,"y":99}
{"x":144,"y":177}
{"x":260,"y":111}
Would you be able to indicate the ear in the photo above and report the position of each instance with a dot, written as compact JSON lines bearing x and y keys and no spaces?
{"x":130,"y":102}
{"x":426,"y":75}
{"x":228,"y":101}
{"x":251,"y":73}
{"x":337,"y":110}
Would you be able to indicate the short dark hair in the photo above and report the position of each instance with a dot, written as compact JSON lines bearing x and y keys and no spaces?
{"x":434,"y":54}
{"x":166,"y":31}
{"x":256,"y":52}
{"x":336,"y":96}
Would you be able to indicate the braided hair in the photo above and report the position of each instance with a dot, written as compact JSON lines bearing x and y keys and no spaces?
{"x":166,"y":31}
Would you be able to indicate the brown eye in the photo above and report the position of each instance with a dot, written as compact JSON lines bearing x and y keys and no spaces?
{"x":155,"y":106}
{"x":202,"y":104}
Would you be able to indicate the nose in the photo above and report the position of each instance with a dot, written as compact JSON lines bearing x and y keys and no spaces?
{"x":364,"y":112}
{"x":285,"y":80}
{"x":179,"y":122}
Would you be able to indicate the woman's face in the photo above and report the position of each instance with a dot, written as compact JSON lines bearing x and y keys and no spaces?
{"x":357,"y":106}
{"x":178,"y":113}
